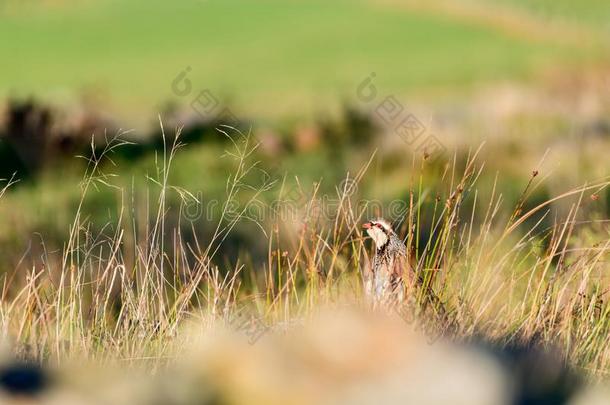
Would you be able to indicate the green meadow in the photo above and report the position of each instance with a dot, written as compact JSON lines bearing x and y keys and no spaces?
{"x":270,"y":59}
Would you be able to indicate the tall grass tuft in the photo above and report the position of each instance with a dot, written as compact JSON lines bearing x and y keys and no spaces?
{"x":130,"y":292}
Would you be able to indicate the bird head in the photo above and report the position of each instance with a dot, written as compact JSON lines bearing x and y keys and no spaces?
{"x":379,"y":230}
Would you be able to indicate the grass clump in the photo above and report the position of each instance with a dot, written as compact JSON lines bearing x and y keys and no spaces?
{"x":130,"y":289}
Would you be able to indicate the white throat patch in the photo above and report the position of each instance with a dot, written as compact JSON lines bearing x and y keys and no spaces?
{"x":378,"y":236}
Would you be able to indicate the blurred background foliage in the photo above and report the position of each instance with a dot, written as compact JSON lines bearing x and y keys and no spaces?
{"x":529,"y":78}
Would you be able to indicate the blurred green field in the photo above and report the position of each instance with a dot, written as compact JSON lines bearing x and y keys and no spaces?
{"x":271,"y":58}
{"x":594,"y":12}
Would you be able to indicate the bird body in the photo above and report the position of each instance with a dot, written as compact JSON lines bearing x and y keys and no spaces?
{"x":390,"y":271}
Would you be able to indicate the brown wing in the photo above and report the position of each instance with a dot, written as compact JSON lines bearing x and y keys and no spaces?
{"x":401,"y":271}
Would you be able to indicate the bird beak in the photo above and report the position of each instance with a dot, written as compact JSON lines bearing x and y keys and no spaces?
{"x":366,"y":225}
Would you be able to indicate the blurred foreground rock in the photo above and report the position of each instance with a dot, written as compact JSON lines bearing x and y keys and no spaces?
{"x":339,"y":358}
